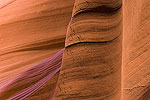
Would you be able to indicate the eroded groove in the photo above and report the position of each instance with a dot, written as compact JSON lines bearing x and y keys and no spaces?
{"x":7,"y":4}
{"x":37,"y":45}
{"x":105,"y":10}
{"x":98,"y":42}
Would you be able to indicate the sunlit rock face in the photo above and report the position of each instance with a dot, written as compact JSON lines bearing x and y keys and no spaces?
{"x":31,"y":31}
{"x":100,"y":41}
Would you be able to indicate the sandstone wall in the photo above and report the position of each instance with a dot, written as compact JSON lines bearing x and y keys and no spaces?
{"x":95,"y":55}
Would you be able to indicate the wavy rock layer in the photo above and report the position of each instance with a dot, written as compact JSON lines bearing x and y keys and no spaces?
{"x":31,"y":31}
{"x":34,"y":30}
{"x":91,"y":65}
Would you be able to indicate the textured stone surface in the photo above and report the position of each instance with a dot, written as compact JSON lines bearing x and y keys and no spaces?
{"x":33,"y":30}
{"x":136,"y":60}
{"x":91,"y":65}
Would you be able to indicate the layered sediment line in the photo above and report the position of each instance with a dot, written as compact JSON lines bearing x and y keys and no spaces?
{"x":94,"y":21}
{"x":34,"y":30}
{"x":91,"y":65}
{"x":28,"y":83}
{"x":136,"y":50}
{"x":30,"y":32}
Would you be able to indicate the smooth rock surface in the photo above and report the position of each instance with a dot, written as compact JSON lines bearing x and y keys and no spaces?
{"x":31,"y":31}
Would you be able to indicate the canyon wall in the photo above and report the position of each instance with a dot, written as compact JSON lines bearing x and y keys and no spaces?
{"x":106,"y":54}
{"x":136,"y":52}
{"x":91,"y":65}
{"x":30,"y":32}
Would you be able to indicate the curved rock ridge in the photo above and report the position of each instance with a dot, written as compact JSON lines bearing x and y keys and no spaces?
{"x":91,"y":64}
{"x":94,"y":64}
{"x":95,"y":21}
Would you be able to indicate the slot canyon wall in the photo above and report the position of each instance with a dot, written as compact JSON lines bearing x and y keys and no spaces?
{"x":136,"y":50}
{"x":30,"y":32}
{"x":91,"y":64}
{"x":106,"y":54}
